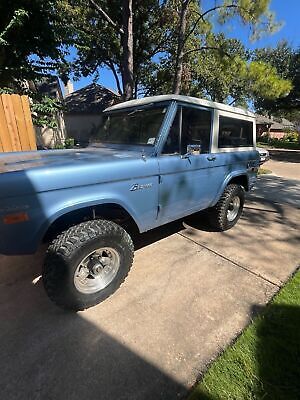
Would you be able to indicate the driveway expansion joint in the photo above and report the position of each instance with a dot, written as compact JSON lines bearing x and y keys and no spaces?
{"x":257,"y":275}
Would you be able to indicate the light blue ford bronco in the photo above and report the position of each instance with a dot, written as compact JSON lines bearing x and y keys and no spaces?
{"x":154,"y":160}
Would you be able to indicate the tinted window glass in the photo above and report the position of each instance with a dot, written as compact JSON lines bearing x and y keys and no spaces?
{"x":140,"y":126}
{"x":172,"y":143}
{"x":235,"y":133}
{"x":196,"y":127}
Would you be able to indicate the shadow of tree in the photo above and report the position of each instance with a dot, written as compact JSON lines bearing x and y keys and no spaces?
{"x":277,"y":190}
{"x":50,"y":354}
{"x":47,"y":353}
{"x":278,"y":352}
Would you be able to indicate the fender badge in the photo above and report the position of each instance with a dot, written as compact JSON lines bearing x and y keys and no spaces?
{"x":138,"y":186}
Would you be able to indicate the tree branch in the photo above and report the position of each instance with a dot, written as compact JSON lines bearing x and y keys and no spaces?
{"x":201,"y":16}
{"x":219,"y":49}
{"x":110,"y":64}
{"x":106,"y":17}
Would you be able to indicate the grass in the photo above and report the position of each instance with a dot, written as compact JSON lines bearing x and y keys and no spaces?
{"x":263,"y":171}
{"x":264,"y":362}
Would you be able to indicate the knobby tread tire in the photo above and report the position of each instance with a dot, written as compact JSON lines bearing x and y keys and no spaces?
{"x":218,"y":214}
{"x":60,"y":262}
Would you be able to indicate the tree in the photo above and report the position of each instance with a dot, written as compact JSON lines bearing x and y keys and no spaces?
{"x":255,"y":14}
{"x":32,"y":36}
{"x":125,"y":31}
{"x":122,"y":39}
{"x":287,"y":63}
{"x":31,"y":33}
{"x":213,"y":67}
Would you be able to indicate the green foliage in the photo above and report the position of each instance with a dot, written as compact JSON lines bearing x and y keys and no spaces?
{"x":44,"y":110}
{"x":35,"y":37}
{"x":32,"y":35}
{"x":287,"y":64}
{"x":214,"y":66}
{"x":289,"y":141}
{"x":68,"y":143}
{"x":292,"y":137}
{"x":264,"y":81}
{"x":263,"y":363}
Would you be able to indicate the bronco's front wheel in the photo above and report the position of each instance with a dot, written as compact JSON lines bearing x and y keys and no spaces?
{"x":87,"y":263}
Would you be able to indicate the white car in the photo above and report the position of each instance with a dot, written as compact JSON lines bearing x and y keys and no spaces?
{"x":264,"y":155}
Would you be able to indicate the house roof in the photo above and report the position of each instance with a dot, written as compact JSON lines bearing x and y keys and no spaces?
{"x":184,"y":99}
{"x":276,"y":123}
{"x":262,"y":120}
{"x":47,"y":85}
{"x":91,"y":99}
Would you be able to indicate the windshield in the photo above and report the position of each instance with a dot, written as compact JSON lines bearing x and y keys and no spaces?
{"x":137,"y":127}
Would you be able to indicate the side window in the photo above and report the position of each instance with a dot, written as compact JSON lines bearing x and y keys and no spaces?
{"x":235,"y":133}
{"x":196,"y":129}
{"x":172,"y":143}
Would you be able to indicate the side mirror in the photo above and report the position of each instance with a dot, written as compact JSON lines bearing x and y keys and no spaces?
{"x":192,"y":149}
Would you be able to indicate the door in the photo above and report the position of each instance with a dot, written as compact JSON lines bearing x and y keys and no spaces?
{"x":188,"y":181}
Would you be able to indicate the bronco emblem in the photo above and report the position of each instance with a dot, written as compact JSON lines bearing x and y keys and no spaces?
{"x":137,"y":186}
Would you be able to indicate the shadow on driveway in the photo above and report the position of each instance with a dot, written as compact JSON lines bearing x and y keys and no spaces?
{"x":47,"y":353}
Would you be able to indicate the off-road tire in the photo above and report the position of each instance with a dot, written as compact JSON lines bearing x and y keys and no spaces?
{"x":69,"y":248}
{"x":217,"y":215}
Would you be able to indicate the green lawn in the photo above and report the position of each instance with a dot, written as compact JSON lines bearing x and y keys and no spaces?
{"x":264,"y":362}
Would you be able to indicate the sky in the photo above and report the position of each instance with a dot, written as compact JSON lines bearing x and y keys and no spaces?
{"x":286,"y":11}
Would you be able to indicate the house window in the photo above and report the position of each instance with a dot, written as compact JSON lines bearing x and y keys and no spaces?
{"x":235,"y":133}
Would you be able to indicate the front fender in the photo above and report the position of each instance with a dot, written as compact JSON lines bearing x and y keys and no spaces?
{"x":45,"y":207}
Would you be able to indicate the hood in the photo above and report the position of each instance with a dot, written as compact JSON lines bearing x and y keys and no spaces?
{"x":37,"y":171}
{"x":20,"y":161}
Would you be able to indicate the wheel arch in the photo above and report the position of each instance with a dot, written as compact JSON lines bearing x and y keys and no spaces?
{"x":239,"y":178}
{"x":67,"y":217}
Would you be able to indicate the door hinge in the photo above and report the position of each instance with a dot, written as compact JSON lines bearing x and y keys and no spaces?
{"x":159,"y":179}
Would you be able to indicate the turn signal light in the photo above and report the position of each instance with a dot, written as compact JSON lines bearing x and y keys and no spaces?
{"x":15,"y":218}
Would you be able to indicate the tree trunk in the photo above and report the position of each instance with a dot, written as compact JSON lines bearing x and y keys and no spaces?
{"x":127,"y":45}
{"x":180,"y":47}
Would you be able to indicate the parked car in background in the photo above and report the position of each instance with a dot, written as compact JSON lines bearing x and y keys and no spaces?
{"x":264,"y":155}
{"x":157,"y":159}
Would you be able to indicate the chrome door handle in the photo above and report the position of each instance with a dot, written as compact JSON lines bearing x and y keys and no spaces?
{"x":211,"y":158}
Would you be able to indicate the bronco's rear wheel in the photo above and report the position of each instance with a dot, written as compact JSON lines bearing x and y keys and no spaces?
{"x":225,"y":214}
{"x":87,"y":263}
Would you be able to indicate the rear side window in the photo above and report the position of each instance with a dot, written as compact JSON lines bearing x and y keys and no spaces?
{"x":235,"y":133}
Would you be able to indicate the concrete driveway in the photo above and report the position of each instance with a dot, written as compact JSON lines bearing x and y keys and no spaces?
{"x":189,"y":293}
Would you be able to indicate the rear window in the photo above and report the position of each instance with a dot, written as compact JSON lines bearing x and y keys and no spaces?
{"x":235,"y":133}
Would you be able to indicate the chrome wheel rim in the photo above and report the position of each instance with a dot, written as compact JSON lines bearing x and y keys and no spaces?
{"x":233,"y":208}
{"x":97,"y":270}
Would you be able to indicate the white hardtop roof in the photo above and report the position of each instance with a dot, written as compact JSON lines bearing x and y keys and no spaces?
{"x":179,"y":98}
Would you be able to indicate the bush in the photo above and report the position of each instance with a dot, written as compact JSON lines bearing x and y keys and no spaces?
{"x":68,"y":143}
{"x":290,"y":140}
{"x":291,"y":137}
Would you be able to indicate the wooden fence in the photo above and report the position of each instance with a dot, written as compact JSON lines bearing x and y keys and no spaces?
{"x":16,"y":128}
